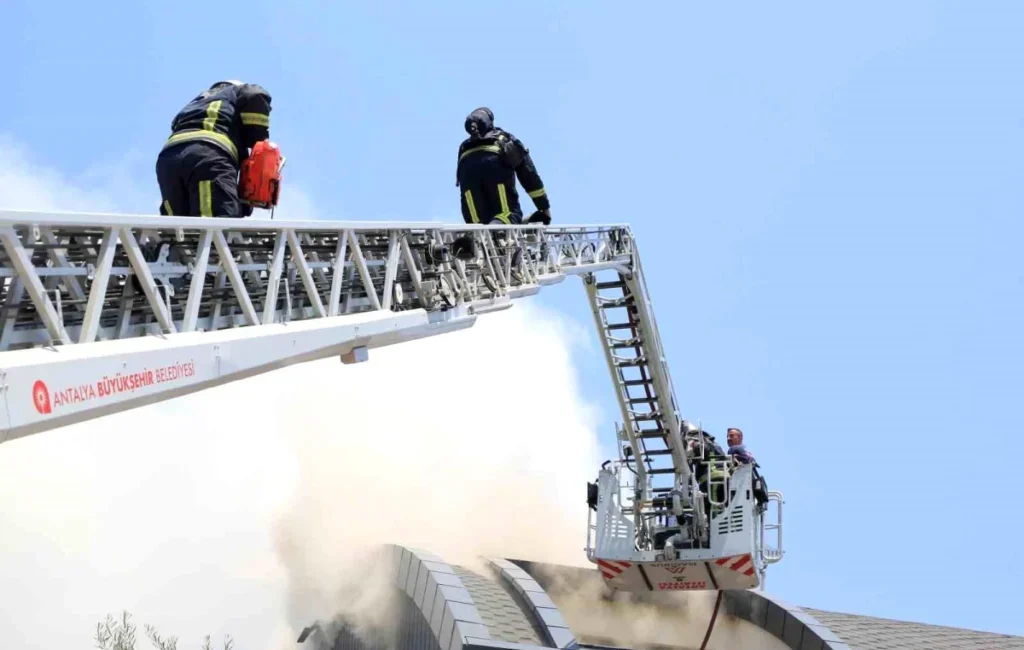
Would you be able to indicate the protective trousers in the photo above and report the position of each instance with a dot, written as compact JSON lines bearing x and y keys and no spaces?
{"x":488,"y":191}
{"x":198,"y":179}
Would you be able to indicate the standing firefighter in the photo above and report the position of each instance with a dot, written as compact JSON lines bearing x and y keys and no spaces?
{"x":210,"y":140}
{"x":490,"y":159}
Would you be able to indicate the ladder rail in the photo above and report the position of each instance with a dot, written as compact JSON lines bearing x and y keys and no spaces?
{"x":659,"y":369}
{"x":97,"y":220}
{"x":622,"y":395}
{"x":377,"y":270}
{"x":657,"y":403}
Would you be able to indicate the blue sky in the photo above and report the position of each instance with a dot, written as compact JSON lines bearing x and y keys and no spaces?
{"x":827,"y":200}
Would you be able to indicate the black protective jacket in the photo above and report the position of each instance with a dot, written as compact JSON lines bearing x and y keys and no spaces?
{"x":232,"y":116}
{"x":490,"y":160}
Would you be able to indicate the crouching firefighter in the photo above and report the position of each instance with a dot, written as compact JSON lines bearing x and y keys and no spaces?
{"x":490,"y":160}
{"x":198,"y":168}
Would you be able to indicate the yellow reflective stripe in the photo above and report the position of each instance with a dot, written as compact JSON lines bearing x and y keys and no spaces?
{"x":493,"y":148}
{"x":503,"y":198}
{"x":212,"y":113}
{"x":205,"y":198}
{"x":210,"y":136}
{"x":471,"y":206}
{"x":505,"y":212}
{"x":256,"y":119}
{"x":536,"y":193}
{"x":167,"y":206}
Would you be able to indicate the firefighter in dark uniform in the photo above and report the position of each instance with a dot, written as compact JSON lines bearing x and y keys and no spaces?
{"x":490,"y":160}
{"x":210,"y":139}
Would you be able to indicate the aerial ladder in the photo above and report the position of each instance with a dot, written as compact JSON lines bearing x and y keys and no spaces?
{"x":673,"y":512}
{"x":102,"y":313}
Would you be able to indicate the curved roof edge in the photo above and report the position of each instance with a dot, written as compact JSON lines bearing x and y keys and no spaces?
{"x":507,"y":606}
{"x":441,"y":596}
{"x":795,"y":627}
{"x":439,"y":604}
{"x":542,"y":609}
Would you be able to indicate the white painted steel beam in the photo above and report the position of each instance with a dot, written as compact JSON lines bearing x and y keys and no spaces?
{"x":209,"y":322}
{"x":47,"y":389}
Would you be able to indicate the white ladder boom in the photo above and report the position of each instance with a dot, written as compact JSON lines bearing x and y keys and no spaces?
{"x":104,"y":313}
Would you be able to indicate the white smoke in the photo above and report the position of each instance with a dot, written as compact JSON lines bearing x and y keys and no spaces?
{"x":474,"y":444}
{"x":654,"y":620}
{"x":224,"y":510}
{"x":28,"y":185}
{"x":245,"y":509}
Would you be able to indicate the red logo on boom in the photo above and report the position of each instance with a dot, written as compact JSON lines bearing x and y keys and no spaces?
{"x":675,"y":569}
{"x":41,"y":397}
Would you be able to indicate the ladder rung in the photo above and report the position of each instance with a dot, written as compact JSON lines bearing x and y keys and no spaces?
{"x":658,"y":452}
{"x":616,"y":303}
{"x":653,"y":433}
{"x":642,"y":400}
{"x":638,"y":382}
{"x":610,"y":285}
{"x":629,"y":343}
{"x":620,"y":326}
{"x":662,"y":470}
{"x":629,"y":363}
{"x":646,"y":417}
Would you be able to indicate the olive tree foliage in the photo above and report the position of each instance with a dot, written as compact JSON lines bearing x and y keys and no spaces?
{"x":120,"y":634}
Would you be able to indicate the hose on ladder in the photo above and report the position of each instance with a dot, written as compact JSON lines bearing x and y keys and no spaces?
{"x":711,"y":625}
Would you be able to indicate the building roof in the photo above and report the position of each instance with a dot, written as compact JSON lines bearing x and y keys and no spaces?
{"x":870,"y":633}
{"x":519,"y":605}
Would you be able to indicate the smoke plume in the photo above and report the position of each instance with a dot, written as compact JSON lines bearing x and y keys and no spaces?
{"x":250,"y":509}
{"x":476,"y":445}
{"x":651,"y":621}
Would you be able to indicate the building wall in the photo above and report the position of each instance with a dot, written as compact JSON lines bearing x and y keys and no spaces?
{"x":411,"y":631}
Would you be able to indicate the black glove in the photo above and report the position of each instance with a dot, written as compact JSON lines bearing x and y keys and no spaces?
{"x":540,"y":216}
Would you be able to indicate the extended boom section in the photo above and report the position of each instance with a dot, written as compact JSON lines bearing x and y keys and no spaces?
{"x":673,"y":513}
{"x":103,"y":313}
